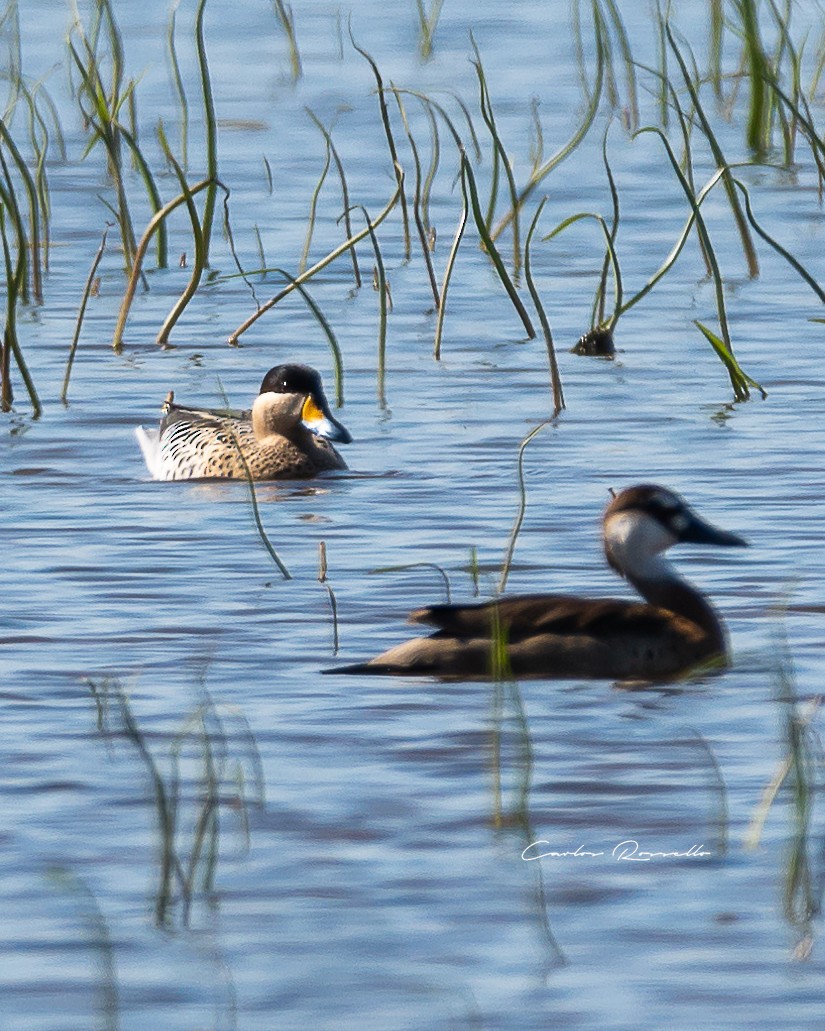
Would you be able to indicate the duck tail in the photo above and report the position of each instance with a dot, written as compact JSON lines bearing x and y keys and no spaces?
{"x":149,"y":441}
{"x":371,"y":669}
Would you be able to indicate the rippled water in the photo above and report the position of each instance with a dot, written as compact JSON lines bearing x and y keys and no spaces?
{"x":379,"y":882}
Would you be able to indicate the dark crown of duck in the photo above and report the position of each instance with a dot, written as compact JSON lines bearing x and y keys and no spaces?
{"x":292,"y":378}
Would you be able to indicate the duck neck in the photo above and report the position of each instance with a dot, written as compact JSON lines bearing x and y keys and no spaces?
{"x":658,"y":584}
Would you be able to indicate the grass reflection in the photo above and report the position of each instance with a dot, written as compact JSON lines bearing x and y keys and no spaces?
{"x":511,"y":757}
{"x":800,"y":773}
{"x":204,"y":773}
{"x":100,"y":939}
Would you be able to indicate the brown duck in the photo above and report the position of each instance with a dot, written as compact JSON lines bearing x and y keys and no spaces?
{"x":286,"y":435}
{"x":673,"y":631}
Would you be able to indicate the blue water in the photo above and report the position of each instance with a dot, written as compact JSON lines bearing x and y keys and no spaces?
{"x":368,"y":872}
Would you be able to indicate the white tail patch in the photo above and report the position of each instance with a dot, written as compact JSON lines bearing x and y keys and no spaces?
{"x":149,"y":441}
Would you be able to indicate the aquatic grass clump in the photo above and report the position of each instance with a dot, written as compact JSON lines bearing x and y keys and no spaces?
{"x":102,"y":107}
{"x":721,"y":162}
{"x":723,"y":347}
{"x":598,"y":340}
{"x":155,"y":225}
{"x":15,"y":243}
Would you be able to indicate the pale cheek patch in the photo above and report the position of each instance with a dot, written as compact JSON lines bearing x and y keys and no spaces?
{"x":634,"y":537}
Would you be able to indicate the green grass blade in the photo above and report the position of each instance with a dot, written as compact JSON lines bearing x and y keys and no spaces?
{"x":337,"y":358}
{"x":555,"y":378}
{"x":791,"y":260}
{"x":448,"y":269}
{"x":500,"y":159}
{"x":417,"y":214}
{"x":336,"y":253}
{"x":522,"y":508}
{"x":740,"y":381}
{"x":490,"y":247}
{"x":64,"y":393}
{"x":719,"y":158}
{"x":344,"y":193}
{"x":396,"y":164}
{"x":538,"y":175}
{"x":740,"y":384}
{"x":313,"y":207}
{"x":177,"y":83}
{"x":287,"y":20}
{"x":211,"y":128}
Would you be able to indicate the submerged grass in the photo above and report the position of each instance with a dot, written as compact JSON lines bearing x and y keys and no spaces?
{"x":100,"y":941}
{"x":419,"y":565}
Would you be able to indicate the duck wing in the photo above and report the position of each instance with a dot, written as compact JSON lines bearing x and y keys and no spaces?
{"x":216,"y":418}
{"x":528,"y":615}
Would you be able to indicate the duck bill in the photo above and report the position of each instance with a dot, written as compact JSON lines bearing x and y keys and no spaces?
{"x":699,"y":532}
{"x":316,"y":416}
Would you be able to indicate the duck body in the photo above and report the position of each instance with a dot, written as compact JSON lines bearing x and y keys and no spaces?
{"x":672,"y":632}
{"x":286,"y":435}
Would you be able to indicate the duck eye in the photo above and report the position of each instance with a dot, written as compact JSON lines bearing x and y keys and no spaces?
{"x":679,"y":520}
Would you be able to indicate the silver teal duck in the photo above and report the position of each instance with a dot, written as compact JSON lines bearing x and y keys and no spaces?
{"x":286,"y":435}
{"x":673,"y":632}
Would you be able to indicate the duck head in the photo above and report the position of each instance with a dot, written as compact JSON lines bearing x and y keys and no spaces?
{"x":642,"y":522}
{"x":292,"y":395}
